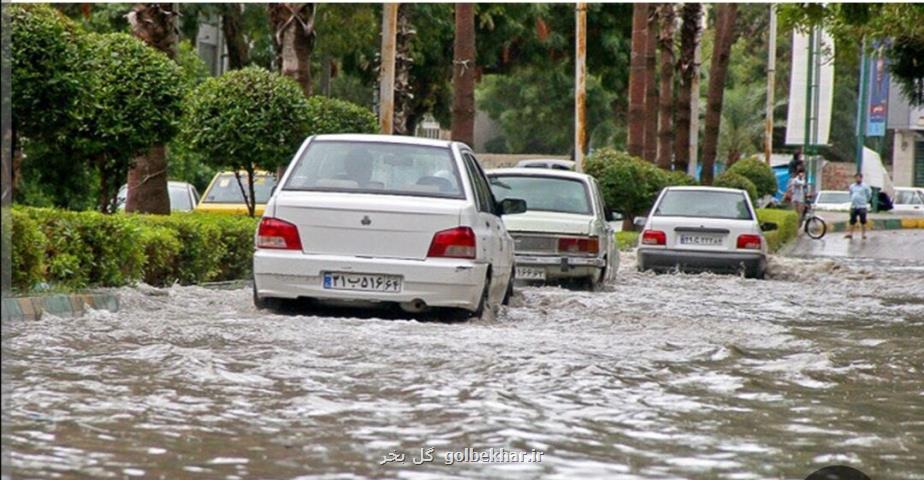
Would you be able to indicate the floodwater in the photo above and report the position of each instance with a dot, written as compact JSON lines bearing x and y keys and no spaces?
{"x":660,"y":376}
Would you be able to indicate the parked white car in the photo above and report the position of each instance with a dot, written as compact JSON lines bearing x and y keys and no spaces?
{"x":703,"y":228}
{"x":566,"y":233}
{"x":908,"y":200}
{"x":553,"y":163}
{"x":373,"y":218}
{"x":833,"y":201}
{"x":183,"y":196}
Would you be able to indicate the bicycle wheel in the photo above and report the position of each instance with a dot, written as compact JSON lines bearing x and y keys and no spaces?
{"x":815,"y":227}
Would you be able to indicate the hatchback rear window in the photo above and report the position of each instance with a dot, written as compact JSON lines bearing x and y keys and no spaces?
{"x":381,"y":168}
{"x":547,"y":194}
{"x":703,"y":204}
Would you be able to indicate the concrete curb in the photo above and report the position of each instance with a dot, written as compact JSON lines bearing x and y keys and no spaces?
{"x":883,"y":224}
{"x":32,"y":308}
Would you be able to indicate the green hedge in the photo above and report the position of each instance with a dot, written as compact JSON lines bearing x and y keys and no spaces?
{"x":86,"y":249}
{"x":787,"y":226}
{"x":734,"y":180}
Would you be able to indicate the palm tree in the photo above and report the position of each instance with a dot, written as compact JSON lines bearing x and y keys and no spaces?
{"x":155,"y":24}
{"x":636,"y":117}
{"x":232,"y":20}
{"x":651,"y":86}
{"x":463,"y":75}
{"x":742,"y":123}
{"x":724,"y":37}
{"x":403,"y":95}
{"x":665,"y":124}
{"x":293,"y":34}
{"x":686,"y":69}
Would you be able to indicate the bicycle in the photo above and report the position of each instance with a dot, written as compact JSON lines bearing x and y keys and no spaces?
{"x":814,"y":226}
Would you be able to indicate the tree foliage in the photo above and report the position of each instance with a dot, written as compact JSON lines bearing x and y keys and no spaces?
{"x":330,"y":115}
{"x":740,"y":182}
{"x":759,"y":173}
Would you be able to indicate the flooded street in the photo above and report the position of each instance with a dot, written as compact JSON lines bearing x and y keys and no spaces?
{"x":660,"y":376}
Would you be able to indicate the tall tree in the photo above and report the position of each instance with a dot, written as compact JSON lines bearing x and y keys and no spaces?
{"x":651,"y":86}
{"x":293,"y":33}
{"x":404,"y":94}
{"x":686,"y":69}
{"x":665,"y":120}
{"x":724,"y":37}
{"x":232,"y":25}
{"x":636,"y":137}
{"x":463,"y":75}
{"x":155,"y":24}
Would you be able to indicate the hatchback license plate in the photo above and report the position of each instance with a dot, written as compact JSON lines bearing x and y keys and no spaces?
{"x":706,"y":240}
{"x":525,"y":273}
{"x":362,"y":281}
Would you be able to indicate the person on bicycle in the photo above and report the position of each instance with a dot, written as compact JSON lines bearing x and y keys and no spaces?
{"x":860,"y":196}
{"x":797,"y":187}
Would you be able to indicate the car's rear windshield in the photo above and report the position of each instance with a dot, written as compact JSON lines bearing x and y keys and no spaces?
{"x":833,"y":197}
{"x":547,"y":194}
{"x":908,"y":197}
{"x":179,"y":198}
{"x":703,"y":204}
{"x":226,"y":190}
{"x":380,"y":168}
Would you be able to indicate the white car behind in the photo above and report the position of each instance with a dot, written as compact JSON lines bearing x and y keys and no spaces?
{"x":703,"y":228}
{"x":833,"y":201}
{"x":908,"y":200}
{"x":566,"y":234}
{"x":371,"y":218}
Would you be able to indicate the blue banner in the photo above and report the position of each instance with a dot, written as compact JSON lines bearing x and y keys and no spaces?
{"x":878,"y":104}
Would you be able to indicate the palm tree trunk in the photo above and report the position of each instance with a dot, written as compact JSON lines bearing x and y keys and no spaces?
{"x":724,"y":37}
{"x":463,"y":75}
{"x":293,"y":34}
{"x":651,"y":86}
{"x":232,"y":19}
{"x":403,"y":92}
{"x":636,"y":120}
{"x":686,"y":69}
{"x":155,"y":24}
{"x":665,"y":121}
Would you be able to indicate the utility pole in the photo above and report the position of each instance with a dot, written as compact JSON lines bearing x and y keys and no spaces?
{"x":580,"y":73}
{"x":463,"y":75}
{"x":861,"y":106}
{"x":387,"y":69}
{"x":694,"y":98}
{"x":771,"y":83}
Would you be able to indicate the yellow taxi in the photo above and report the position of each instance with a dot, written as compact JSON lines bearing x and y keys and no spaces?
{"x":223,"y":194}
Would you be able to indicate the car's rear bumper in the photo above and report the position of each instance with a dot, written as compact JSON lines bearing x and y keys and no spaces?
{"x":438,"y":282}
{"x":562,"y":266}
{"x":687,"y":260}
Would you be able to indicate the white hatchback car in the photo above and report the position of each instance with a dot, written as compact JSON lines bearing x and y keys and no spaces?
{"x":703,"y":228}
{"x":376,"y":218}
{"x":566,"y":233}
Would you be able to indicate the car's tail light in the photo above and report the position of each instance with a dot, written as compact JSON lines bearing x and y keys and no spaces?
{"x":456,"y":242}
{"x":278,"y":234}
{"x":654,"y":237}
{"x":578,"y":245}
{"x":748,"y":241}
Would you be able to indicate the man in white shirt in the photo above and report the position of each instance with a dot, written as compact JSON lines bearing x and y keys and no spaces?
{"x":860,"y":197}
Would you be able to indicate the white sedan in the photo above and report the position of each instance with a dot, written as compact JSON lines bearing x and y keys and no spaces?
{"x":372,"y":218}
{"x":833,"y":201}
{"x":703,"y":228}
{"x":908,"y":200}
{"x":566,"y":234}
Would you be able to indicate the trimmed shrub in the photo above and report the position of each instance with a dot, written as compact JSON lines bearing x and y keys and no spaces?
{"x":28,"y":251}
{"x":202,"y":249}
{"x":759,"y":173}
{"x":237,"y":236}
{"x":733,"y":180}
{"x":787,"y":222}
{"x":161,"y":248}
{"x":331,"y":115}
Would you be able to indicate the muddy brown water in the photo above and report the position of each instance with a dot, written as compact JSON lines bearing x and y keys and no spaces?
{"x":659,"y":376}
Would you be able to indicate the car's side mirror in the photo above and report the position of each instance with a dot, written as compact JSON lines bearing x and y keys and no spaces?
{"x":608,"y":214}
{"x":510,"y":206}
{"x":640,"y":221}
{"x":768,"y":226}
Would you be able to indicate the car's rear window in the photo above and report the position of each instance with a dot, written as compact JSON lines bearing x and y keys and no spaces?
{"x":907,"y":197}
{"x":547,"y":194}
{"x":833,"y":197}
{"x":179,"y":198}
{"x":381,"y":168}
{"x":225,"y":189}
{"x":703,"y":204}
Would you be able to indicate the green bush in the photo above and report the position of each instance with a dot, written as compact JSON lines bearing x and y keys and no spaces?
{"x":330,"y":115}
{"x":28,"y":248}
{"x":787,"y":222}
{"x":626,"y":240}
{"x":759,"y":173}
{"x":161,"y":248}
{"x":733,"y":180}
{"x":202,"y":249}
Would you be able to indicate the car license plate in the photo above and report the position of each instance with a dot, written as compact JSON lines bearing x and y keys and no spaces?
{"x":526,"y":273}
{"x":362,"y":281}
{"x":705,"y":240}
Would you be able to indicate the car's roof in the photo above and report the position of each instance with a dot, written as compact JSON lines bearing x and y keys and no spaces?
{"x":561,"y":161}
{"x":704,"y":188}
{"x":538,"y":172}
{"x":398,"y":139}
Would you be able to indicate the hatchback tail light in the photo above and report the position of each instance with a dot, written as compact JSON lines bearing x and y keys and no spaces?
{"x":578,"y":245}
{"x":654,"y":237}
{"x":278,"y":234}
{"x":456,"y":242}
{"x":751,"y":242}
